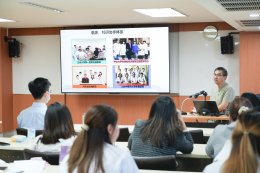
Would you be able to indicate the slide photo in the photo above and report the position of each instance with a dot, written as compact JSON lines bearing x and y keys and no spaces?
{"x":89,"y":76}
{"x":131,"y":76}
{"x":88,"y":51}
{"x":131,"y":49}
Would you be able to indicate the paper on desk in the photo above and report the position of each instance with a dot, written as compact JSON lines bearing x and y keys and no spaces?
{"x":26,"y":166}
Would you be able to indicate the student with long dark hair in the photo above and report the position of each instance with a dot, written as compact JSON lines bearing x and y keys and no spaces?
{"x":164,"y":133}
{"x":58,"y":129}
{"x":93,"y":150}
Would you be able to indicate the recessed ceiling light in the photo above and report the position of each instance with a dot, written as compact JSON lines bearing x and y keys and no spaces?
{"x":160,"y":12}
{"x":6,"y":20}
{"x":258,"y":27}
{"x":42,"y":6}
{"x":254,"y":15}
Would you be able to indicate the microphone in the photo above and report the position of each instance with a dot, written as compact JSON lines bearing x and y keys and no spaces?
{"x":205,"y":93}
{"x":197,"y":94}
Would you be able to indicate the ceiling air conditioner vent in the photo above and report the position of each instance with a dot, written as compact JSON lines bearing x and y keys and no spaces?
{"x":249,"y":23}
{"x":240,"y":5}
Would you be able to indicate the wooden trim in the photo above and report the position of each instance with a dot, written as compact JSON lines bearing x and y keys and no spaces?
{"x":201,"y":26}
{"x":6,"y":85}
{"x":34,"y":31}
{"x":173,"y":27}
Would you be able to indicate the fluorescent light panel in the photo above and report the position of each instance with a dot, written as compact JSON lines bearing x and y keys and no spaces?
{"x":6,"y":20}
{"x":160,"y":12}
{"x":42,"y":6}
{"x":254,"y":15}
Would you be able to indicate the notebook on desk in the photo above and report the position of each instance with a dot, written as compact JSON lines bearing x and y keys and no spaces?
{"x":206,"y":107}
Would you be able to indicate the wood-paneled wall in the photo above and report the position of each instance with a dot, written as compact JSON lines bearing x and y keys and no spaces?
{"x":250,"y":62}
{"x":6,"y":84}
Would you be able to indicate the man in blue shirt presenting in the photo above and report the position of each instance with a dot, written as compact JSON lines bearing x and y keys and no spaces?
{"x":33,"y":116}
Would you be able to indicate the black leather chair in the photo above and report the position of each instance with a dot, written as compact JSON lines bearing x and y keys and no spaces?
{"x":123,"y":135}
{"x":157,"y":162}
{"x":23,"y":131}
{"x":10,"y":155}
{"x":197,"y":136}
{"x":50,"y":157}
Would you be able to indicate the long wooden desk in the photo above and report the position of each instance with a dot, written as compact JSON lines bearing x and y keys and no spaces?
{"x":205,"y":119}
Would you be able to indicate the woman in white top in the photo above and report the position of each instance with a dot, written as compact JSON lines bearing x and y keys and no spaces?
{"x":58,"y":129}
{"x":93,"y":150}
{"x":242,"y":154}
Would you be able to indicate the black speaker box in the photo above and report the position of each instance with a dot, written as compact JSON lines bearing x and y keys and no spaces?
{"x":14,"y":48}
{"x":227,"y":44}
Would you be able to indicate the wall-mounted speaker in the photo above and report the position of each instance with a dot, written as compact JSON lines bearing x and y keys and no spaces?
{"x":227,"y":44}
{"x":14,"y":48}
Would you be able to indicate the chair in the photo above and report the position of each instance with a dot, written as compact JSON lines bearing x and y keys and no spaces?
{"x":50,"y":157}
{"x":10,"y":155}
{"x":192,"y":163}
{"x":123,"y":135}
{"x":157,"y":162}
{"x":23,"y":131}
{"x":197,"y":136}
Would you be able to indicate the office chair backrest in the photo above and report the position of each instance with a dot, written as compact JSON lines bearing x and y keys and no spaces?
{"x":197,"y":136}
{"x":123,"y":135}
{"x":23,"y":131}
{"x":157,"y":162}
{"x":50,"y":157}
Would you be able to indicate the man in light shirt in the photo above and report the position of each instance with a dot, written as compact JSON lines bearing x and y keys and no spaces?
{"x":33,"y":116}
{"x":223,"y":93}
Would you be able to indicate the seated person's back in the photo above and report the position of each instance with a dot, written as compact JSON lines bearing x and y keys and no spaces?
{"x":164,"y":133}
{"x":33,"y":116}
{"x":93,"y":150}
{"x":223,"y":132}
{"x":58,"y":129}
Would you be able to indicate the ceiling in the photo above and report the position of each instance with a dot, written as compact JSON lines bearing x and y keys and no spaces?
{"x":110,"y":12}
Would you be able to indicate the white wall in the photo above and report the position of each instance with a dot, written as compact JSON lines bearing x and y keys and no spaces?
{"x":40,"y":57}
{"x":193,"y":59}
{"x":199,"y":56}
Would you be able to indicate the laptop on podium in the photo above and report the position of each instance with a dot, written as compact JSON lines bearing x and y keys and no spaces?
{"x":206,"y":107}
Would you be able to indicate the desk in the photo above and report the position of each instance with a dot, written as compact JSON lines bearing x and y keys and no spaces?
{"x":206,"y":131}
{"x":198,"y":118}
{"x":16,"y":145}
{"x":55,"y":169}
{"x":198,"y":150}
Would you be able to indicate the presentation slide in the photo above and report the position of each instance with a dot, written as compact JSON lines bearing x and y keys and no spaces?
{"x":120,"y":60}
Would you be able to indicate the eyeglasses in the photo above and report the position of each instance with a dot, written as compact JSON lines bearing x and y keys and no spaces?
{"x":218,"y":74}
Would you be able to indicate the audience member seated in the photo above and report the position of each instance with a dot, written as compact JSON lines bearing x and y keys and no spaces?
{"x":33,"y":116}
{"x":252,"y":97}
{"x":240,"y":154}
{"x":58,"y":129}
{"x":93,"y":150}
{"x":223,"y":132}
{"x":164,"y":133}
